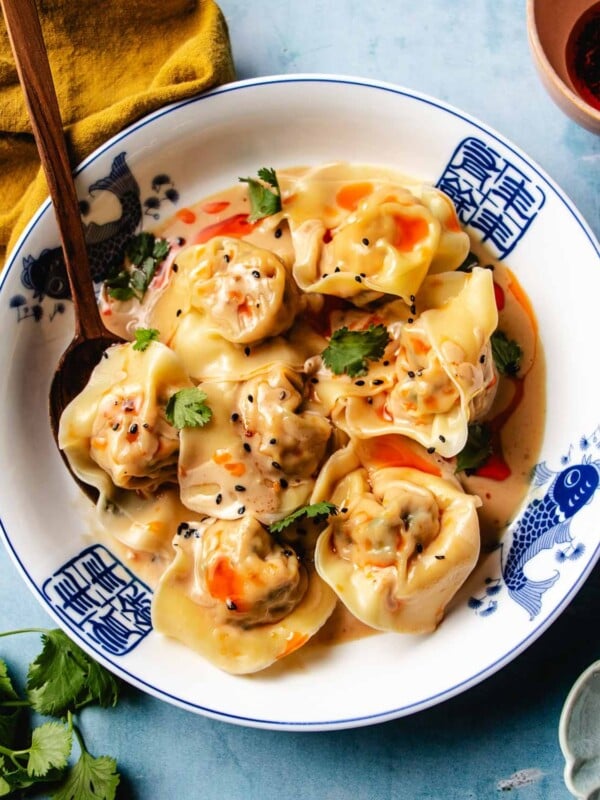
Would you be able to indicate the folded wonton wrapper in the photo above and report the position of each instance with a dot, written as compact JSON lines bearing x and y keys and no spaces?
{"x":359,"y":232}
{"x":403,"y":544}
{"x":115,"y":432}
{"x":437,"y":374}
{"x":239,"y":597}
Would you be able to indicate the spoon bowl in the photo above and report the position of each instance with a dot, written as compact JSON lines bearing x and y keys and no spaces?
{"x":91,"y":338}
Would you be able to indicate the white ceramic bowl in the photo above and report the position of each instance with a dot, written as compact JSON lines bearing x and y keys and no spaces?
{"x":196,"y":148}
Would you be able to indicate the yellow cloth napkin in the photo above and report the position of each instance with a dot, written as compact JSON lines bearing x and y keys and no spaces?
{"x":113,"y":62}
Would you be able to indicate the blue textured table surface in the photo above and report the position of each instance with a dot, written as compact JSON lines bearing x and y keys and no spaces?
{"x":501,"y":736}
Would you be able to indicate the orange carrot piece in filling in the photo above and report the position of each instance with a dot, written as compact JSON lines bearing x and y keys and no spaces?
{"x":349,"y":196}
{"x":409,"y":232}
{"x":396,"y":451}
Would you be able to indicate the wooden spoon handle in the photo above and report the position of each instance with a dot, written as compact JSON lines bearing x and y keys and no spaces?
{"x":27,"y":42}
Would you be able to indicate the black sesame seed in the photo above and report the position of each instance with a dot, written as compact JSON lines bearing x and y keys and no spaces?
{"x":288,"y":553}
{"x":250,"y":398}
{"x":145,"y":425}
{"x":275,"y":464}
{"x":386,"y":363}
{"x":180,"y":241}
{"x":183,"y":526}
{"x":442,"y":438}
{"x":241,"y":510}
{"x":440,"y":558}
{"x":116,"y":426}
{"x":377,"y":382}
{"x":240,"y":488}
{"x":133,"y":428}
{"x":412,"y":298}
{"x":219,"y":499}
{"x":314,"y":380}
{"x":410,"y":373}
{"x":370,"y":401}
{"x":273,"y":441}
{"x":343,"y":510}
{"x":410,"y":320}
{"x":324,"y":275}
{"x":105,"y":354}
{"x":230,"y":605}
{"x":481,"y":359}
{"x":413,"y":309}
{"x":175,"y":268}
{"x":235,"y":417}
{"x":283,"y":395}
{"x":365,"y":241}
{"x":337,"y":269}
{"x":255,"y":273}
{"x":178,"y":313}
{"x":283,"y":483}
{"x":278,"y":233}
{"x":363,"y":274}
{"x":246,"y":351}
{"x":359,"y":383}
{"x":227,"y":258}
{"x":247,"y":447}
{"x":431,"y":450}
{"x":358,"y":279}
{"x":419,"y":547}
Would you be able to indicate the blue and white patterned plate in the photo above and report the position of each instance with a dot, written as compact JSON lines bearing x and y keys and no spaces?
{"x":190,"y":150}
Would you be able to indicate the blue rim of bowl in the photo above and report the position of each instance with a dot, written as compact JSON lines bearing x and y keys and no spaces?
{"x":347,"y":722}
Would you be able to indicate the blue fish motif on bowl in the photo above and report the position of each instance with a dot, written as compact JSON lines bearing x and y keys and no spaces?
{"x":545,"y":524}
{"x":45,"y":275}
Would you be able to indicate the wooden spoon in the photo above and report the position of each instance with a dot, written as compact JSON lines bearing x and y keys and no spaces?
{"x":91,"y":337}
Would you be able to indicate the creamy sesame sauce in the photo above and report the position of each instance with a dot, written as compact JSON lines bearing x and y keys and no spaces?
{"x":517,"y":414}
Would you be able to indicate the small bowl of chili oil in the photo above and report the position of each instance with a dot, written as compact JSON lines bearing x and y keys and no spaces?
{"x":565,"y":40}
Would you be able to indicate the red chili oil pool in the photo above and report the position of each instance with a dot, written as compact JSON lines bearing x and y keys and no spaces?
{"x":583,"y":56}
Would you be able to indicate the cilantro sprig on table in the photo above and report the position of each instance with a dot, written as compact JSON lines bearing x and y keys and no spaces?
{"x":348,"y":351}
{"x":144,"y":253}
{"x":316,"y":511}
{"x":264,"y":194}
{"x":61,"y":680}
{"x":187,"y":409}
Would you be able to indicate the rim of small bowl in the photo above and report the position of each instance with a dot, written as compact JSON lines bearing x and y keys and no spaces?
{"x":563,"y":726}
{"x":540,"y":53}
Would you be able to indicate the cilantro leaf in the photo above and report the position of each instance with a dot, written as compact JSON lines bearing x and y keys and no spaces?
{"x":143,"y":337}
{"x":90,"y":779}
{"x":140,"y":247}
{"x":17,"y":778}
{"x":56,"y":676}
{"x":348,"y":351}
{"x":317,"y":511}
{"x":50,"y":747}
{"x":264,"y":199}
{"x":187,"y":409}
{"x":507,"y":353}
{"x":477,"y":449}
{"x":9,"y":718}
{"x":100,"y":687}
{"x":63,"y":677}
{"x":7,"y":691}
{"x":160,"y":249}
{"x":144,"y":253}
